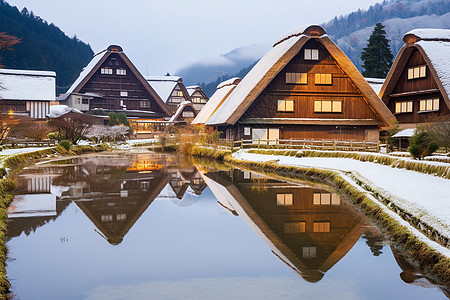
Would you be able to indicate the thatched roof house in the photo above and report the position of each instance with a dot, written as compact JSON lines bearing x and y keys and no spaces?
{"x":304,"y":87}
{"x":417,"y":87}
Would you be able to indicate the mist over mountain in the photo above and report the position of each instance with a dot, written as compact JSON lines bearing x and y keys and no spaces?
{"x":222,"y":66}
{"x":349,"y":32}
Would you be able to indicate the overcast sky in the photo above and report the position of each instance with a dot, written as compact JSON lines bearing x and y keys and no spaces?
{"x":167,"y":35}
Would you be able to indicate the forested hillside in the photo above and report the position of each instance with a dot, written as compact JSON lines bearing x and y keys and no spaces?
{"x":43,"y":46}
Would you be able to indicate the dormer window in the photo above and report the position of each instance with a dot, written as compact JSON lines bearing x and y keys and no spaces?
{"x":311,"y":54}
{"x":417,"y":72}
{"x":121,"y":72}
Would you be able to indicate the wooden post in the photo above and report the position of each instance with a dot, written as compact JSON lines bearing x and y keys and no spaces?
{"x":351,"y":145}
{"x":232,"y":146}
{"x":378,"y":147}
{"x":291,"y":143}
{"x":334,"y":145}
{"x":242,"y":143}
{"x":364,"y":145}
{"x":276,"y":143}
{"x":259,"y":143}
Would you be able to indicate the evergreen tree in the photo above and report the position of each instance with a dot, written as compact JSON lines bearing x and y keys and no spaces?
{"x":377,"y":56}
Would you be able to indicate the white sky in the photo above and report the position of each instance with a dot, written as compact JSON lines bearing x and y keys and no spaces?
{"x":164,"y":36}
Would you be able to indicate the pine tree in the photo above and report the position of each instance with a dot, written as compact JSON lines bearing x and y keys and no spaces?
{"x":377,"y":56}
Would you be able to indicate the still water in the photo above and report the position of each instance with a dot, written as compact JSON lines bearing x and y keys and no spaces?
{"x":156,"y":226}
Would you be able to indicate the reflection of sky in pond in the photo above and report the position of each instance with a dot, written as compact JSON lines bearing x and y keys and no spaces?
{"x":199,"y":251}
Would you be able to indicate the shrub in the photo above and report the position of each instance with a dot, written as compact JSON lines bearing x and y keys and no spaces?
{"x":66,"y":144}
{"x":51,"y":135}
{"x":422,"y":144}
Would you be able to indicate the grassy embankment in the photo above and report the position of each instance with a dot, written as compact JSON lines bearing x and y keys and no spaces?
{"x":15,"y":163}
{"x":429,"y":260}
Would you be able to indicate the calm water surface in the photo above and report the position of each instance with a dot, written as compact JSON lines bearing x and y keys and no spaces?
{"x":154,"y":226}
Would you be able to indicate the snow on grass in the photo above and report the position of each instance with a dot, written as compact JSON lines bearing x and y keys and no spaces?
{"x":424,"y":196}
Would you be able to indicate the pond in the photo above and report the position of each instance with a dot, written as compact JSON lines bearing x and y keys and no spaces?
{"x":157,"y":226}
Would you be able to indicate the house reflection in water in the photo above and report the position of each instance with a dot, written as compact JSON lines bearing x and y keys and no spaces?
{"x":112,"y":191}
{"x":310,"y":228}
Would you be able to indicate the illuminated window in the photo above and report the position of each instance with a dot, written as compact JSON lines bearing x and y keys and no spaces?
{"x":417,"y":72}
{"x":144,"y":104}
{"x":284,"y":199}
{"x":309,"y":252}
{"x":429,"y":105}
{"x":107,"y":71}
{"x":179,"y":93}
{"x":285,"y":105}
{"x":328,"y":106}
{"x":188,"y":114}
{"x":311,"y":54}
{"x":124,"y":94}
{"x":321,"y":227}
{"x":326,"y":199}
{"x":295,"y":227}
{"x":121,"y":217}
{"x":247,"y":130}
{"x":121,"y":72}
{"x":324,"y":78}
{"x":403,"y":107}
{"x":298,"y":78}
{"x":106,"y":218}
{"x":196,"y":100}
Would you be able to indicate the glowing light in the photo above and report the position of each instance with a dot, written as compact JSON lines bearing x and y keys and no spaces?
{"x":11,"y":112}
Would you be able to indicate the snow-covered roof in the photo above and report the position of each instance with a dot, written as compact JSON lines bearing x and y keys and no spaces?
{"x":295,"y":32}
{"x":429,"y":34}
{"x":191,"y":89}
{"x":439,"y":54}
{"x":223,"y":90}
{"x":375,"y":83}
{"x":180,"y":109}
{"x":94,"y":61}
{"x":274,"y":62}
{"x":405,"y":133}
{"x":163,"y":85}
{"x":57,"y":111}
{"x":27,"y":85}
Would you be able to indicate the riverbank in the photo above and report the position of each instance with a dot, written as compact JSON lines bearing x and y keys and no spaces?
{"x":380,"y":204}
{"x":12,"y":161}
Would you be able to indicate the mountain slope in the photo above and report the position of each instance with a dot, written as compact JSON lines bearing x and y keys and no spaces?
{"x":43,"y":47}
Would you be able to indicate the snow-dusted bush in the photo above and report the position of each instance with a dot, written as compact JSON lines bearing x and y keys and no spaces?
{"x":103,"y":133}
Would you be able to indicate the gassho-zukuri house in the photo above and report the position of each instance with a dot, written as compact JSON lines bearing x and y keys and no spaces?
{"x":417,"y":87}
{"x":111,"y":83}
{"x":170,"y":89}
{"x":25,"y":92}
{"x":304,"y":87}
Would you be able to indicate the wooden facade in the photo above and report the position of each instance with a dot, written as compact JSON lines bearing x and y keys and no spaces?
{"x":419,"y":97}
{"x":311,"y":90}
{"x":111,"y":82}
{"x":198,"y":97}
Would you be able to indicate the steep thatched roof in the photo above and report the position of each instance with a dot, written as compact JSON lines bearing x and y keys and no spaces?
{"x":275,"y":60}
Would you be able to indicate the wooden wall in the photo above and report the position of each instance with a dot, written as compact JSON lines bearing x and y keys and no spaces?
{"x":110,"y":87}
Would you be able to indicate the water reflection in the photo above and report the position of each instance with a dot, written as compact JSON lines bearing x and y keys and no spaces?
{"x":308,"y":227}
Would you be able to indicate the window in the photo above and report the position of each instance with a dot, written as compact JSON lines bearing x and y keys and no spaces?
{"x":144,"y":104}
{"x":196,"y":100}
{"x":121,"y":72}
{"x":429,"y":105}
{"x":179,"y":93}
{"x":324,"y":79}
{"x":124,"y":94}
{"x":247,"y":130}
{"x":417,"y":72}
{"x":107,"y":71}
{"x":309,"y":252}
{"x":403,"y":107}
{"x":175,"y":100}
{"x":295,"y":227}
{"x":121,"y":217}
{"x":285,"y":105}
{"x":188,"y":114}
{"x":106,"y":218}
{"x":284,"y":199}
{"x":321,"y":227}
{"x":311,"y":54}
{"x":85,"y":101}
{"x":297,"y":78}
{"x":326,"y":199}
{"x":328,"y":106}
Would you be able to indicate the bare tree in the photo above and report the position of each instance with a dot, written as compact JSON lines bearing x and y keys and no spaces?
{"x":7,"y":41}
{"x":73,"y":126}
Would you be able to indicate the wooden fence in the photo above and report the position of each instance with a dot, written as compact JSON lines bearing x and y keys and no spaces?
{"x":29,"y":143}
{"x":300,"y":144}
